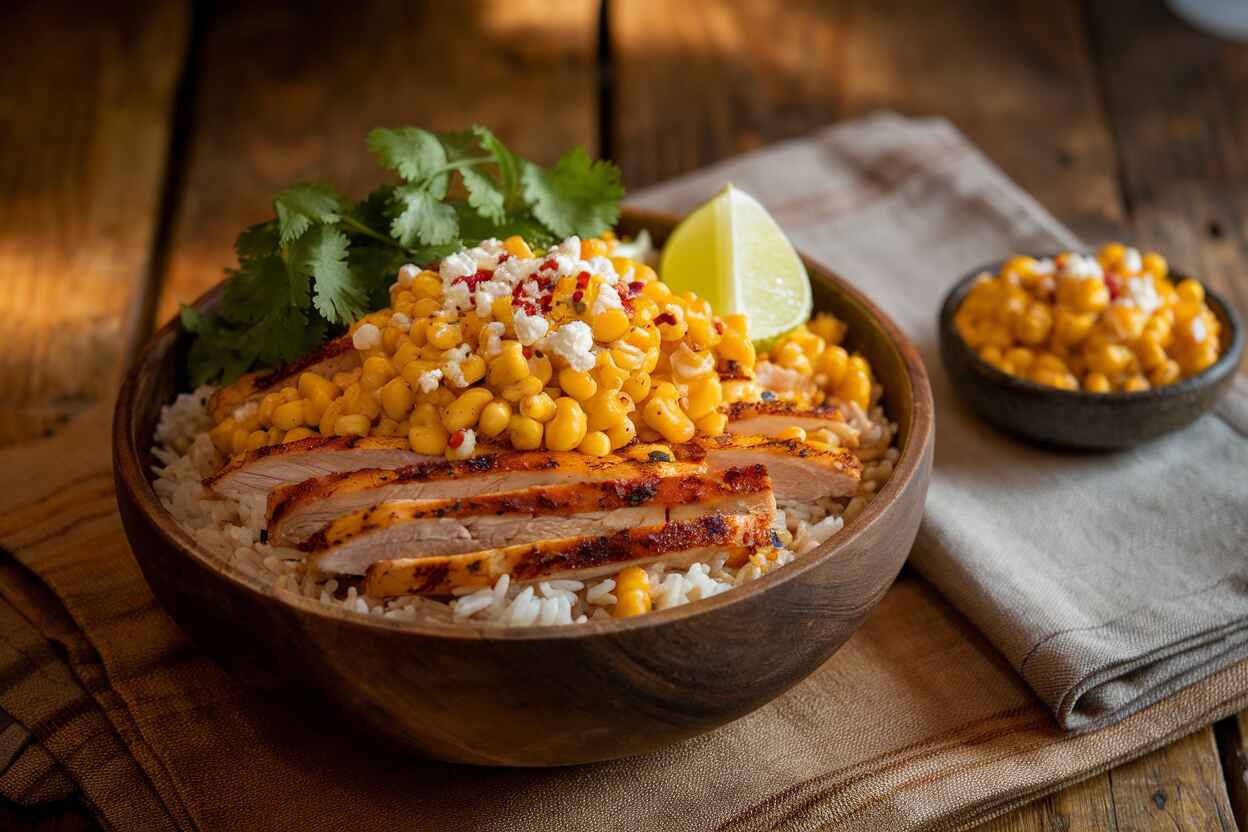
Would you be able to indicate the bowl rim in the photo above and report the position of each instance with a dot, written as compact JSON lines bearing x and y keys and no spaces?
{"x":128,"y":465}
{"x":1227,"y":363}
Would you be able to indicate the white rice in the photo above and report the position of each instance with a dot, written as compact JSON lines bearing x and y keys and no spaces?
{"x":231,"y":530}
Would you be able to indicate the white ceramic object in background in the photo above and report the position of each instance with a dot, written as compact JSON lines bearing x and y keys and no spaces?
{"x":1221,"y":18}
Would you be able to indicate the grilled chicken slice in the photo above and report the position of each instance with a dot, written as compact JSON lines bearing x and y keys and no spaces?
{"x":297,"y":511}
{"x":266,"y":468}
{"x":679,"y":544}
{"x":350,"y":544}
{"x":770,"y":418}
{"x":799,"y":471}
{"x":336,"y":356}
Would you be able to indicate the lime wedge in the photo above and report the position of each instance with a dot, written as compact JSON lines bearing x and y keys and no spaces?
{"x":731,"y":252}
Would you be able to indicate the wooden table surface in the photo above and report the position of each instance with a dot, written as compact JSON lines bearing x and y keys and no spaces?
{"x":137,"y":138}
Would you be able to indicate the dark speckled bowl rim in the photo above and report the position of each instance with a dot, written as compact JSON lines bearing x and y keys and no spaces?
{"x":1226,"y":364}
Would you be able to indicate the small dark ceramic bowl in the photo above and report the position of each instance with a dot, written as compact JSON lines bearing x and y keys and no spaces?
{"x":1071,"y":419}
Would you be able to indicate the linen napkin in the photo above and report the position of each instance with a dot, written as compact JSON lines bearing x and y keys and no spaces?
{"x":1108,"y":580}
{"x":917,"y":723}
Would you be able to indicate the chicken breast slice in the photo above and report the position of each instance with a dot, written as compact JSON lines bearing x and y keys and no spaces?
{"x":770,"y":418}
{"x":800,"y":471}
{"x":336,"y":356}
{"x":683,"y":543}
{"x":350,"y":544}
{"x":267,"y":468}
{"x":295,"y":512}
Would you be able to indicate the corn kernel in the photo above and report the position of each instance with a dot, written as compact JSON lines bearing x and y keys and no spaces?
{"x":517,"y":247}
{"x":495,"y":418}
{"x":595,"y":443}
{"x":445,"y":336}
{"x":577,"y":384}
{"x":632,"y":592}
{"x":663,"y":414}
{"x":464,"y":412}
{"x":429,"y":439}
{"x":288,"y":415}
{"x":539,"y":407}
{"x":568,"y":427}
{"x":610,"y":325}
{"x":296,"y":434}
{"x":352,"y":424}
{"x":525,"y":433}
{"x":1096,"y":383}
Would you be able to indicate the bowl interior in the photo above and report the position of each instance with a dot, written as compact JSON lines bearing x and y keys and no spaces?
{"x":156,"y":378}
{"x":1227,"y":363}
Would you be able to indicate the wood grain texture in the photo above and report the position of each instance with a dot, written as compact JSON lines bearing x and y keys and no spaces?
{"x":596,"y":691}
{"x":288,"y":93}
{"x":1181,"y":130}
{"x":698,"y":81}
{"x":1232,"y":737}
{"x":86,"y":105}
{"x":1177,"y":787}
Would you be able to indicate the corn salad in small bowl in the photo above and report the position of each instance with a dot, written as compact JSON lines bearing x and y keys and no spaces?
{"x":1088,"y":351}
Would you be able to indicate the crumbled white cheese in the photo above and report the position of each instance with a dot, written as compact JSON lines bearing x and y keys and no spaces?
{"x":687,"y":364}
{"x":466,"y":447}
{"x":1142,"y":293}
{"x":570,"y":247}
{"x":487,"y":253}
{"x":455,"y":266}
{"x":492,"y":338}
{"x":451,"y":370}
{"x":400,"y":322}
{"x":407,"y":274}
{"x":367,"y":337}
{"x":1199,"y":331}
{"x":1045,"y":266}
{"x":531,"y":328}
{"x":484,"y":301}
{"x":603,"y":267}
{"x":516,"y":270}
{"x":574,"y":343}
{"x":428,"y":380}
{"x":1132,"y":263}
{"x":457,"y":298}
{"x":1078,"y":266}
{"x":608,"y":298}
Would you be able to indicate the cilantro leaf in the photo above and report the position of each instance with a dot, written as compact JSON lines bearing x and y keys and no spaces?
{"x":483,"y":195}
{"x":576,"y":196}
{"x":509,"y":165}
{"x":416,"y":154}
{"x":322,"y":255}
{"x":298,"y":208}
{"x":259,"y":284}
{"x":422,"y":218}
{"x":257,"y":240}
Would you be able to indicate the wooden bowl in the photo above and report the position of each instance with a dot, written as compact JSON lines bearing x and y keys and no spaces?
{"x":544,"y":696}
{"x":1074,"y":419}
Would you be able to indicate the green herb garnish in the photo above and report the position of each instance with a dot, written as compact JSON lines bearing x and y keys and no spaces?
{"x":324,"y":262}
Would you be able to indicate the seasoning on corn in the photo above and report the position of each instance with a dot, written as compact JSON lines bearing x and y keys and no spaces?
{"x":1116,"y":322}
{"x":573,"y":348}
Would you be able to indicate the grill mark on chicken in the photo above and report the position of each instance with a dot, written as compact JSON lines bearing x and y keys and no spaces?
{"x":369,"y":487}
{"x":532,"y":561}
{"x":740,"y":411}
{"x":570,"y":499}
{"x":337,"y":355}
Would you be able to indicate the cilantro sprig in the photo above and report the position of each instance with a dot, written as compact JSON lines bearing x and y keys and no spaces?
{"x":323,"y":261}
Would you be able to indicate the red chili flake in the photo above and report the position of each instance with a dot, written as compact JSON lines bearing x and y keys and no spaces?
{"x":665,"y":318}
{"x":577,"y":295}
{"x":1113,"y":281}
{"x":719,"y":327}
{"x":627,"y":303}
{"x":546,"y":301}
{"x":582,"y":280}
{"x":504,"y":257}
{"x":457,"y":439}
{"x":475,"y":280}
{"x":635,"y":287}
{"x":549,"y":264}
{"x":528,"y":352}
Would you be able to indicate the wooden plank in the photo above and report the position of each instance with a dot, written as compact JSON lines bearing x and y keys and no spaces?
{"x":56,"y":817}
{"x":86,"y":104}
{"x":1181,"y":131}
{"x":1232,"y":735}
{"x":1083,"y":807}
{"x":698,"y":81}
{"x":287,"y":93}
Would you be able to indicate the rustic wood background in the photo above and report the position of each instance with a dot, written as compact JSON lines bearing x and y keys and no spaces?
{"x":137,"y":138}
